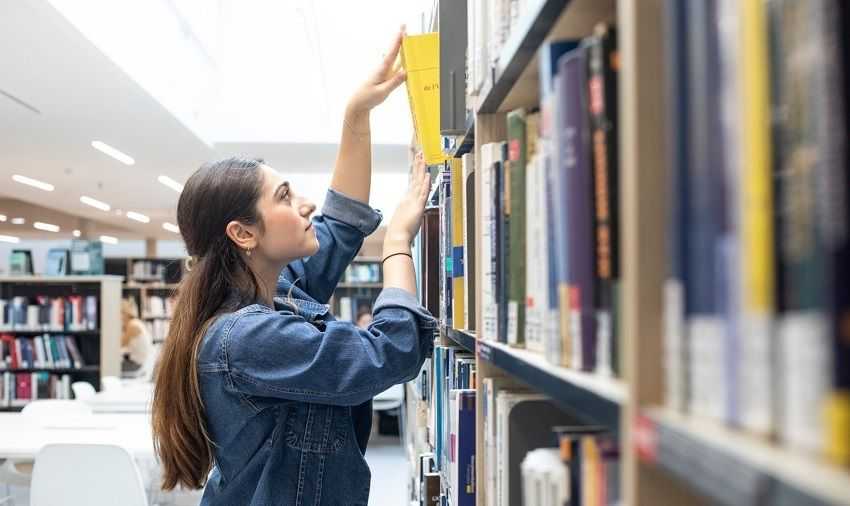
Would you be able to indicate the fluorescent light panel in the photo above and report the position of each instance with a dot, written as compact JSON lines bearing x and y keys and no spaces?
{"x":167,"y":181}
{"x":171,"y":227}
{"x":47,"y":227}
{"x":76,"y":233}
{"x":9,"y":238}
{"x":108,"y":239}
{"x":18,"y":221}
{"x":103,"y":206}
{"x":35,"y":183}
{"x":138,"y":217}
{"x":114,"y":153}
{"x":3,"y":217}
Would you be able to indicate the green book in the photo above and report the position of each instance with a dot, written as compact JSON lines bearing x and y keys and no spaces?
{"x":516,"y":245}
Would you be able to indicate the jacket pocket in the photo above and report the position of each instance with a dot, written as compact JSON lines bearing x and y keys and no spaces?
{"x":316,"y":428}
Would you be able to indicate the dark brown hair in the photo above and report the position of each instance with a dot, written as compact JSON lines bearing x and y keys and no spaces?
{"x":216,"y":194}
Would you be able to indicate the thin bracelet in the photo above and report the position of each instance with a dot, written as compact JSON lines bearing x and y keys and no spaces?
{"x":394,"y":254}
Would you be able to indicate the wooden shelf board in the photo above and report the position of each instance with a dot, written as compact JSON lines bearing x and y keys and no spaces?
{"x":735,"y":467}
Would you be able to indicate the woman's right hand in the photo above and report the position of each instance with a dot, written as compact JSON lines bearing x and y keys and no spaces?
{"x":408,"y":216}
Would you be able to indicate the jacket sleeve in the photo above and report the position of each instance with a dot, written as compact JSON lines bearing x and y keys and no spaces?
{"x":279,"y":355}
{"x":341,"y":228}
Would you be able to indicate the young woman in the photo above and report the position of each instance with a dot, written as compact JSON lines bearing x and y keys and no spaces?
{"x":262,"y":399}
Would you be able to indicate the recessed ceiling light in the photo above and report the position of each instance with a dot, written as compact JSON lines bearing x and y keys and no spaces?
{"x":3,"y":217}
{"x":114,"y":153}
{"x":103,"y":206}
{"x":35,"y":183}
{"x":76,"y":233}
{"x":18,"y":221}
{"x":47,"y":227}
{"x":167,"y":181}
{"x":171,"y":227}
{"x":9,"y":238}
{"x":138,"y":217}
{"x":108,"y":239}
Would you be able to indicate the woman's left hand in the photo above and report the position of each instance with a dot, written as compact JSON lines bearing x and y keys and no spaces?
{"x":376,"y":89}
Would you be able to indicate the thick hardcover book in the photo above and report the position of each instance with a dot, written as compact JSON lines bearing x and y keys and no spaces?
{"x":676,"y":85}
{"x":838,"y":248}
{"x":703,"y":310}
{"x":466,"y":486}
{"x":517,"y":236}
{"x":577,"y":297}
{"x":469,"y":251}
{"x":431,"y":251}
{"x":485,"y":244}
{"x":502,"y":258}
{"x":757,"y":252}
{"x":603,"y":62}
{"x":458,"y":267}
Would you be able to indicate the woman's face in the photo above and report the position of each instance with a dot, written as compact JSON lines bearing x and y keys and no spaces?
{"x":288,"y":233}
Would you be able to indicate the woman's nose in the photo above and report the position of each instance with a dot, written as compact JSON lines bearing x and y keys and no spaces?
{"x":307,"y":208}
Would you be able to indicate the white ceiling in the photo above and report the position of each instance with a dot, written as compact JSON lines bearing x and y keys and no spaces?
{"x":81,"y":94}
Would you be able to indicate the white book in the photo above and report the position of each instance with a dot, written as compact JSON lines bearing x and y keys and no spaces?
{"x":706,"y":373}
{"x":345,"y":310}
{"x":488,"y":302}
{"x":535,"y":265}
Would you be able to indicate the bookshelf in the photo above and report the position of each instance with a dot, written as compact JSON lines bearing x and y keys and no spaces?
{"x":30,"y":324}
{"x":152,"y":282}
{"x":359,"y":287}
{"x":666,"y":454}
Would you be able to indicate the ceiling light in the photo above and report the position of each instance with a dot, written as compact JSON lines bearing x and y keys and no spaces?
{"x":9,"y":238}
{"x":167,"y":181}
{"x":103,"y":206}
{"x":138,"y":217}
{"x":171,"y":227}
{"x":114,"y":153}
{"x":2,"y":217}
{"x":47,"y":227}
{"x":18,"y":221}
{"x":76,"y":233}
{"x":108,"y":239}
{"x":35,"y":183}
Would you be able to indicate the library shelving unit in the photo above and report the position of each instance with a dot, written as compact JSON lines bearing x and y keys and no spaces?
{"x":360,"y":286}
{"x":147,"y":277}
{"x":98,"y":344}
{"x":666,"y":456}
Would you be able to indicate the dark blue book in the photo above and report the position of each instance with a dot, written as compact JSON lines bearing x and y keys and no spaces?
{"x":466,"y":448}
{"x":503,"y":241}
{"x":577,"y":296}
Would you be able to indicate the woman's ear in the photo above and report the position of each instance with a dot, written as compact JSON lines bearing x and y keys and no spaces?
{"x":244,"y":237}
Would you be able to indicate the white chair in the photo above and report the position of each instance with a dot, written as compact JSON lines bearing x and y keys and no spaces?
{"x":83,"y":390}
{"x":19,"y":472}
{"x":86,"y":475}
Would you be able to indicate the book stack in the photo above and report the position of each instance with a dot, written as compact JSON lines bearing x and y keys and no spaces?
{"x":73,"y":313}
{"x":41,"y":352}
{"x":757,"y":298}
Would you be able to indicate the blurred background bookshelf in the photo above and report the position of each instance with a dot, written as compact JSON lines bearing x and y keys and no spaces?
{"x":55,"y":331}
{"x":638,"y":251}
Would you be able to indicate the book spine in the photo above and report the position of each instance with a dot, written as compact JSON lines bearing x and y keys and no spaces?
{"x":503,"y":239}
{"x":838,"y":247}
{"x":466,"y":448}
{"x":602,"y":89}
{"x":469,"y":263}
{"x":704,"y":317}
{"x":558,"y":222}
{"x":576,"y":167}
{"x":485,"y":245}
{"x":517,"y":246}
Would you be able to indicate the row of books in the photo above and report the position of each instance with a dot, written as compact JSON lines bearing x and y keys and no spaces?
{"x":363,"y":273}
{"x":158,"y":329}
{"x":584,"y":470}
{"x":156,"y":306}
{"x":42,"y":352}
{"x":757,"y":301}
{"x":515,"y":424}
{"x":146,"y":269}
{"x":18,"y":389}
{"x":489,"y":25}
{"x":350,"y":308}
{"x":547,"y":242}
{"x":70,"y":313}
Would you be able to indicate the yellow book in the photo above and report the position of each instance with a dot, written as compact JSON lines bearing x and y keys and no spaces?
{"x":458,"y":267}
{"x":757,"y":256}
{"x":420,"y":57}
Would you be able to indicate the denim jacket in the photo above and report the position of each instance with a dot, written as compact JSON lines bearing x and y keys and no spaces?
{"x":287,"y":390}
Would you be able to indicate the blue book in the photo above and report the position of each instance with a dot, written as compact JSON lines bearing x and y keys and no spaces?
{"x":466,"y":448}
{"x":575,"y":190}
{"x":439,"y":403}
